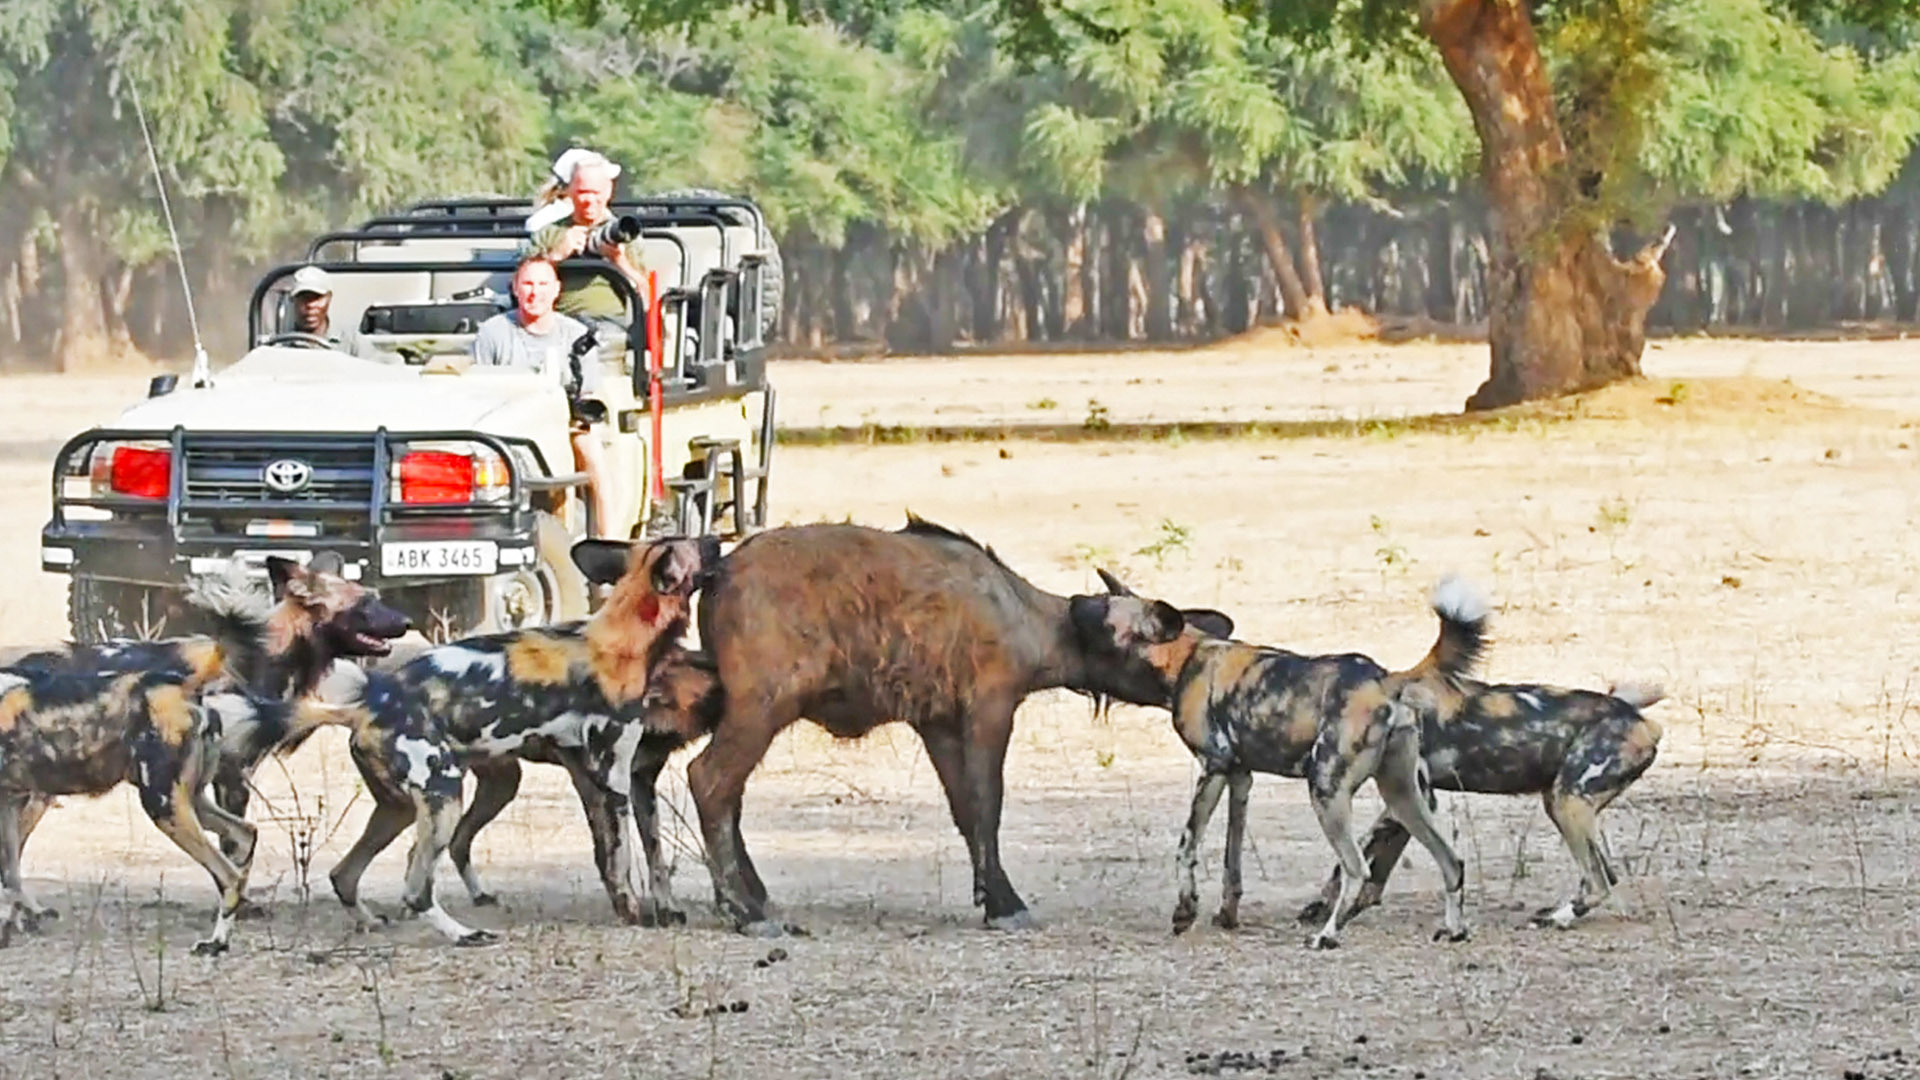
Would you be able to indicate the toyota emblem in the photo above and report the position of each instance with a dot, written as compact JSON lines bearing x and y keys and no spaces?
{"x":287,"y":475}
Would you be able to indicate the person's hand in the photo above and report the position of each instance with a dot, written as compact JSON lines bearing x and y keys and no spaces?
{"x":571,"y":242}
{"x":623,"y":262}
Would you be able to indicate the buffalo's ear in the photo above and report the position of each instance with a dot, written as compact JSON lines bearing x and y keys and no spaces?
{"x":1115,"y":587}
{"x":281,"y":573}
{"x":603,"y":561}
{"x":1209,"y":622}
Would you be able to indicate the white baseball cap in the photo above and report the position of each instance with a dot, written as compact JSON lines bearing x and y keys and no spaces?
{"x":572,"y":159}
{"x":312,"y":279}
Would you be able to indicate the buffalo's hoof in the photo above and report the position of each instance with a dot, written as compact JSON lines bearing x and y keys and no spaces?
{"x":1018,"y":920}
{"x":209,"y":947}
{"x":1226,"y":920}
{"x":473,"y":938}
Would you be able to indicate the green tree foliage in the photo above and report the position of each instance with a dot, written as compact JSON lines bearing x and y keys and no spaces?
{"x":821,"y":129}
{"x":918,"y":122}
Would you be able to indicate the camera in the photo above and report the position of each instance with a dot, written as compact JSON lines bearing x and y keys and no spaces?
{"x":612,"y":232}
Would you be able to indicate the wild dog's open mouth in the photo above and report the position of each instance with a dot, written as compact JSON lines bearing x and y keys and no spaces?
{"x":375,"y":646}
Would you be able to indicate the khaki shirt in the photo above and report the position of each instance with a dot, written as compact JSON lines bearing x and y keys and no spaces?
{"x":583,"y":293}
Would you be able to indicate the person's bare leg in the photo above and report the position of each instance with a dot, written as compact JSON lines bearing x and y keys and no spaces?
{"x":592,"y":459}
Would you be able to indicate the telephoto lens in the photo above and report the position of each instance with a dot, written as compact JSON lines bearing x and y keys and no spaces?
{"x":613,"y":231}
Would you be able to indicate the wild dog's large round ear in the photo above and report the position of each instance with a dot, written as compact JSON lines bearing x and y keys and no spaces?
{"x":327,"y":562}
{"x":603,"y":561}
{"x":281,"y":573}
{"x":1165,"y":620}
{"x":1209,"y":622}
{"x":1115,"y":587}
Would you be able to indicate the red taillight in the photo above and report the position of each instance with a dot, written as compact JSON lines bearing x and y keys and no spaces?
{"x":436,"y":476}
{"x":141,"y":471}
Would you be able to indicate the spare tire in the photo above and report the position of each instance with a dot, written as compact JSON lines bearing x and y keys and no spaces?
{"x":773,"y":280}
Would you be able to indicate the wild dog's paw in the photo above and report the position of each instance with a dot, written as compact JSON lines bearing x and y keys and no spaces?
{"x":1316,"y":911}
{"x":485,"y":899}
{"x":1323,"y":942}
{"x":476,"y":937}
{"x":657,"y":914}
{"x":209,"y":947}
{"x":1184,"y":914}
{"x":1452,"y":936}
{"x":763,"y":928}
{"x":1558,"y":918}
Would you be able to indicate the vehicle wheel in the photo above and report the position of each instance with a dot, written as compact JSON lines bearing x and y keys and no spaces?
{"x":99,"y":610}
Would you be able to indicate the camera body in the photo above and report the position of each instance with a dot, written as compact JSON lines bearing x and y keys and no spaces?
{"x":617,"y":230}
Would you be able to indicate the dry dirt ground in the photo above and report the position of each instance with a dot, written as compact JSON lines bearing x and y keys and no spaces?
{"x":1747,"y":542}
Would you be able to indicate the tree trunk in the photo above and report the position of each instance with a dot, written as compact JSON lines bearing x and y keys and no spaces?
{"x":1159,"y":277}
{"x":1310,"y":258}
{"x":1441,"y":245}
{"x":83,"y":313}
{"x":1075,"y":290}
{"x":1266,"y":225}
{"x":1565,"y":314}
{"x":1896,"y":237}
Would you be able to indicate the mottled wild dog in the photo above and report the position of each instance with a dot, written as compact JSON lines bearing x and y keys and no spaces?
{"x":1576,"y":749}
{"x":853,"y":627}
{"x":274,"y":646}
{"x":1334,"y":721}
{"x":576,"y":693}
{"x":80,"y":722}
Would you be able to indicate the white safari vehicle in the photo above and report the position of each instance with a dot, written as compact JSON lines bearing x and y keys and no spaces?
{"x":451,"y":488}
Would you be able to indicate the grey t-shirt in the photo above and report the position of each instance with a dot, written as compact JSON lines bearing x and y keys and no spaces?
{"x":501,"y":341}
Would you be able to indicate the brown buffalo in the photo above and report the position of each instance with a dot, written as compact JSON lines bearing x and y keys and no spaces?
{"x":853,"y":627}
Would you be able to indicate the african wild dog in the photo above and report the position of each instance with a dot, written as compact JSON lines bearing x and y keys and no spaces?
{"x":1576,"y":749}
{"x":1334,"y":721}
{"x":575,"y":693}
{"x":80,"y":723}
{"x":682,"y":702}
{"x":853,"y":627}
{"x":273,"y":646}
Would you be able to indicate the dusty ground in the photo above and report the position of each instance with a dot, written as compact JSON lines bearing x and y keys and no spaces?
{"x":1751,"y":546}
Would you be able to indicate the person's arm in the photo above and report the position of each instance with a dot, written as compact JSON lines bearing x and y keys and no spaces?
{"x":489,"y":342}
{"x":549,"y":242}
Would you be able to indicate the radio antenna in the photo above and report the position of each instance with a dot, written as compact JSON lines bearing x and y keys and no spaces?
{"x":202,"y":375}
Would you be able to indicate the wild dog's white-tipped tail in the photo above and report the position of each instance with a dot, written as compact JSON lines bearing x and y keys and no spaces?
{"x":1463,"y":611}
{"x":231,"y":595}
{"x":1638,"y":694}
{"x":1458,"y":600}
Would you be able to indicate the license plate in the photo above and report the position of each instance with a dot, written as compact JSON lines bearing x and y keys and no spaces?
{"x":440,"y":557}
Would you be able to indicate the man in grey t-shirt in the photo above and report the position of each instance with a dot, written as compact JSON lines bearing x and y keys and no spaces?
{"x":541,"y":339}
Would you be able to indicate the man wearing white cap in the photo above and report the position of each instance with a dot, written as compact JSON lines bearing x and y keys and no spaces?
{"x":312,"y":299}
{"x":561,"y":229}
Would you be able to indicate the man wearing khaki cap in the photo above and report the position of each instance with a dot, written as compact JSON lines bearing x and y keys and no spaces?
{"x":312,"y":297}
